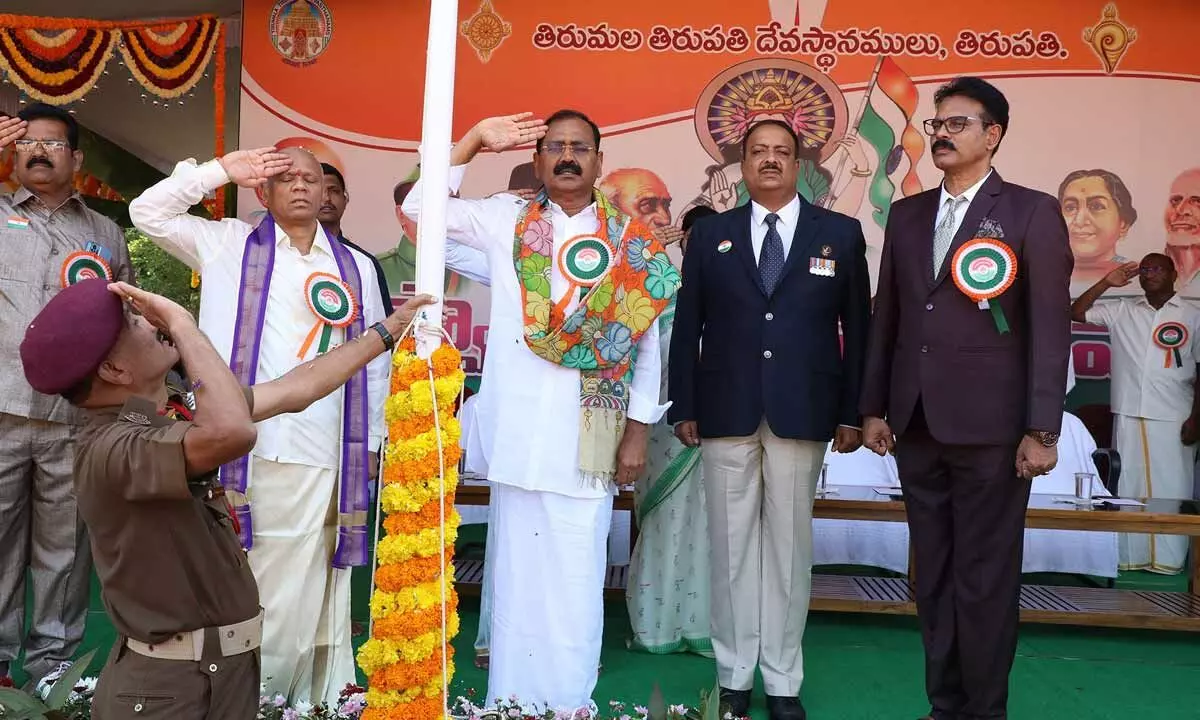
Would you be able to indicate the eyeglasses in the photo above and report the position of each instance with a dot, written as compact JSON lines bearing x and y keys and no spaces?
{"x":556,"y":147}
{"x":953,"y":125}
{"x":1154,"y":270}
{"x":27,"y":145}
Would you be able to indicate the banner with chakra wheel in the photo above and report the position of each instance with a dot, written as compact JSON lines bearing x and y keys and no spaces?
{"x":83,"y":265}
{"x":1170,"y":336}
{"x":983,"y":269}
{"x":583,"y":260}
{"x":332,"y":301}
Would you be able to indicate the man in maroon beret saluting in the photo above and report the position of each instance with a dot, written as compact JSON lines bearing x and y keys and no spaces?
{"x":175,"y":580}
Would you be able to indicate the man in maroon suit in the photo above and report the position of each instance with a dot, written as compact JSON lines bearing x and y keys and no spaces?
{"x":965,"y":381}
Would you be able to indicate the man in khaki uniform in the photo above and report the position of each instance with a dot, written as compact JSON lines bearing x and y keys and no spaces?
{"x":48,"y":239}
{"x":175,"y":580}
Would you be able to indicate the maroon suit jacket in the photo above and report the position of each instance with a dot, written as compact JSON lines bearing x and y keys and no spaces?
{"x":930,"y":342}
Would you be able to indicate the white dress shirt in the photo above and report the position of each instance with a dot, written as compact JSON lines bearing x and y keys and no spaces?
{"x":1142,"y":387}
{"x":468,"y":262}
{"x":534,"y":404}
{"x":215,"y":249}
{"x":789,"y":215}
{"x":960,"y":211}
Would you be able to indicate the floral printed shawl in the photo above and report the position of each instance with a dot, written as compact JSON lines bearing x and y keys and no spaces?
{"x":600,"y":336}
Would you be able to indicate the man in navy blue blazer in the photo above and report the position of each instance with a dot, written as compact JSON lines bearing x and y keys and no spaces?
{"x":766,"y":288}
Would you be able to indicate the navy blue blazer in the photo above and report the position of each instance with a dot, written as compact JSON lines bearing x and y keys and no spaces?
{"x":778,"y":357}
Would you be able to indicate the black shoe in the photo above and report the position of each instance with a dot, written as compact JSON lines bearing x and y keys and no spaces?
{"x":785,"y":708}
{"x":735,"y":702}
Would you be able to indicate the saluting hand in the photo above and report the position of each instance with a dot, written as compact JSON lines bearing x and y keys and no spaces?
{"x":508,"y":131}
{"x":159,"y":311}
{"x":1121,"y":276}
{"x":11,"y":130}
{"x":252,"y":168}
{"x":669,"y":234}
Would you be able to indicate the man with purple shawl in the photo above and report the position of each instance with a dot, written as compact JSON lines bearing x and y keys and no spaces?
{"x":273,"y":297}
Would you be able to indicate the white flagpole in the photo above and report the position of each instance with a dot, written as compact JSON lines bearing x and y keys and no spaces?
{"x":435,"y":166}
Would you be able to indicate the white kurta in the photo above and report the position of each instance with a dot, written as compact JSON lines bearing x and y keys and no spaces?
{"x":1152,"y":396}
{"x":550,"y":524}
{"x":294,"y":467}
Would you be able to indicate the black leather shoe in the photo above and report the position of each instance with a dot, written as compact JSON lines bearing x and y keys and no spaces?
{"x":735,"y":702}
{"x":785,"y":708}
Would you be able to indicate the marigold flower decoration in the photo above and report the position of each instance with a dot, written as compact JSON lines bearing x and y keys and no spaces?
{"x":403,"y":659}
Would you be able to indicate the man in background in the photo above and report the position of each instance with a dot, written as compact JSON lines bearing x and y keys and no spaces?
{"x":1155,"y":350}
{"x":333,"y":207}
{"x":51,"y":239}
{"x":463,"y":262}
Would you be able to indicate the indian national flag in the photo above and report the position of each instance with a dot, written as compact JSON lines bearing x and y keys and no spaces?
{"x":888,"y":113}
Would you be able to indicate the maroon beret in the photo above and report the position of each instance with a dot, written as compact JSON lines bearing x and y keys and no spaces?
{"x":71,"y":336}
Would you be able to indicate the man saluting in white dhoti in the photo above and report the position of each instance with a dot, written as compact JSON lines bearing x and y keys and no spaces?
{"x":576,"y":289}
{"x":274,"y":297}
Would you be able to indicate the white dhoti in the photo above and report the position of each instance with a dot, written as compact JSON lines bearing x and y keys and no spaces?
{"x":306,"y":651}
{"x":1154,"y":464}
{"x":548,"y":564}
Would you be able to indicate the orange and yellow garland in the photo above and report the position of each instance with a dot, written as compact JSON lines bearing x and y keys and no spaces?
{"x":403,"y":659}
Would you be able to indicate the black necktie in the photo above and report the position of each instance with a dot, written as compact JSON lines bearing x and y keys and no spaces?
{"x":770,"y":260}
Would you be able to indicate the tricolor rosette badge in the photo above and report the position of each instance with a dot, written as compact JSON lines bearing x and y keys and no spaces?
{"x":332,"y":301}
{"x":1170,"y":336}
{"x":584,"y":259}
{"x":983,"y":269}
{"x":83,"y":265}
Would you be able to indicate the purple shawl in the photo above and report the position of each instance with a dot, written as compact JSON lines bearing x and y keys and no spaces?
{"x":258,"y":262}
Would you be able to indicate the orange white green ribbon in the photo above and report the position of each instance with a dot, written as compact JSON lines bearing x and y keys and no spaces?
{"x":983,"y":269}
{"x":1170,"y":336}
{"x":332,"y":301}
{"x":583,"y":260}
{"x":84,"y":265}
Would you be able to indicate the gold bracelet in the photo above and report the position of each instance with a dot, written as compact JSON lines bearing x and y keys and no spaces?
{"x":860,"y":173}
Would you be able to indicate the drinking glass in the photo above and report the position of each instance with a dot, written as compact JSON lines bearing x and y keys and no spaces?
{"x":1084,"y":482}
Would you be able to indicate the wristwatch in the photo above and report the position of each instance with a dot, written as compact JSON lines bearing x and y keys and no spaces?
{"x":1047,"y":439}
{"x":389,"y":342}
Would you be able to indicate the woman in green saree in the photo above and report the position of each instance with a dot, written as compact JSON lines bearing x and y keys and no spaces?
{"x":667,"y":592}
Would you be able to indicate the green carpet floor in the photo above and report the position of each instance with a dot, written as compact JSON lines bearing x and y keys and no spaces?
{"x":860,"y":667}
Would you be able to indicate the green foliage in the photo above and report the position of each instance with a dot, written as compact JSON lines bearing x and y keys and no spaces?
{"x":16,"y":705}
{"x":159,"y":273}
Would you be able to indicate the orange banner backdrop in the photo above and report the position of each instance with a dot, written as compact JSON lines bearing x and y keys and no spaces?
{"x":1104,"y":99}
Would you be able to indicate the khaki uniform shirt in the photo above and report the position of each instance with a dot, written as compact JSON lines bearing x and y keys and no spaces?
{"x":166,"y":553}
{"x":34,"y":243}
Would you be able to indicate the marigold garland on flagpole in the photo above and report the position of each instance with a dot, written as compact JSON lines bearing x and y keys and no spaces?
{"x":408,"y":659}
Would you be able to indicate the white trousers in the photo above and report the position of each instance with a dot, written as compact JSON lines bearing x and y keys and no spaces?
{"x":760,"y":495}
{"x":306,"y":652}
{"x":1154,"y":464}
{"x":548,"y":563}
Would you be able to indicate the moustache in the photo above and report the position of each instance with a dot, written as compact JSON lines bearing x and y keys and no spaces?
{"x":327,"y":208}
{"x":568,"y":166}
{"x":769,"y":166}
{"x":39,"y":161}
{"x":942,"y":145}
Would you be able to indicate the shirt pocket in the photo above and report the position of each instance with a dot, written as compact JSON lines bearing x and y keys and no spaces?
{"x":16,"y":249}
